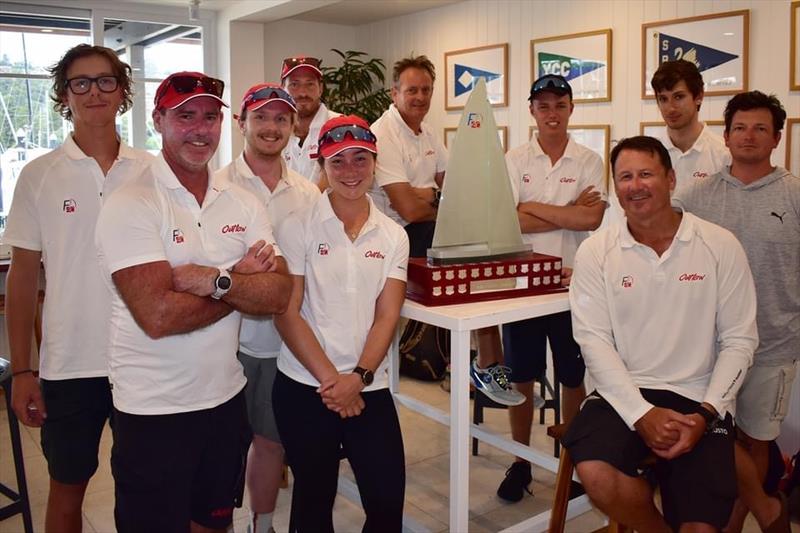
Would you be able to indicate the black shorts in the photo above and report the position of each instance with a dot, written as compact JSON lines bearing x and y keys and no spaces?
{"x":525,"y":349}
{"x":77,"y":410}
{"x":698,"y":486}
{"x":176,"y":468}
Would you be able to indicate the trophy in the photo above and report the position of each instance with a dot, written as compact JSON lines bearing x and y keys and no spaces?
{"x":478,"y":253}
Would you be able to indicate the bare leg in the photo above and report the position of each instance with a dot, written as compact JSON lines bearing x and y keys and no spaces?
{"x":571,"y":399}
{"x":626,"y":499}
{"x":264,"y":468}
{"x":697,"y":527}
{"x":752,"y":457}
{"x":490,"y":349}
{"x":521,"y":416}
{"x":64,"y":505}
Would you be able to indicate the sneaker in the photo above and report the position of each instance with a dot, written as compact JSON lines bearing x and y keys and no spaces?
{"x":445,"y":384}
{"x":492,"y":381}
{"x":518,"y":479}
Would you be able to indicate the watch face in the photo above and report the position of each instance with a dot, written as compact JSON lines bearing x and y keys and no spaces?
{"x":367,"y":377}
{"x":224,"y":283}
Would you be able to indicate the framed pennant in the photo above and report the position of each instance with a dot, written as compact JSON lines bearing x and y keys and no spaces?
{"x":717,"y":44}
{"x":462,"y":69}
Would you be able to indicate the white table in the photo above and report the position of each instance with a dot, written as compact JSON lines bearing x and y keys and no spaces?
{"x":460,"y":320}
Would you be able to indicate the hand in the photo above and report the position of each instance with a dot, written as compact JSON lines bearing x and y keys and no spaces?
{"x":566,"y":276}
{"x":342,"y":392}
{"x":194,"y":279}
{"x":659,"y":427}
{"x":259,"y":258}
{"x":689,"y":435}
{"x":27,"y":401}
{"x":354,"y":409}
{"x":588,"y":197}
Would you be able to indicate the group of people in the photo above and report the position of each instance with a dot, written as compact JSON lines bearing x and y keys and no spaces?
{"x":233,"y":320}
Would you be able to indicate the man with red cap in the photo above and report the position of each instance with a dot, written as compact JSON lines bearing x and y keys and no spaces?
{"x":185,"y":252}
{"x":266,"y":119}
{"x":301,"y":76}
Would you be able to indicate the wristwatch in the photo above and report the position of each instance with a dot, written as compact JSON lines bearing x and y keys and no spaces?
{"x":222,"y":284}
{"x":710,"y":418}
{"x":367,"y":376}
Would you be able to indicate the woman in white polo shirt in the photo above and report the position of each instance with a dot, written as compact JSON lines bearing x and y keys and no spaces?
{"x":331,"y":398}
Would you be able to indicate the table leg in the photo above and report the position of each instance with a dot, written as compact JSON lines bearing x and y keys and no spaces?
{"x":394,"y":361}
{"x":459,"y":431}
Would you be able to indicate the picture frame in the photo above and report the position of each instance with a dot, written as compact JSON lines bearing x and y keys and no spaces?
{"x":595,"y":137}
{"x":584,"y":59}
{"x":793,"y":145}
{"x":655,"y":128}
{"x":463,"y":67}
{"x":502,"y":133}
{"x":794,"y":47}
{"x":718,"y":43}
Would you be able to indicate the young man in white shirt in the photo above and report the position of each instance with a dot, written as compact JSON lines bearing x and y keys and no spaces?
{"x":186,"y":253}
{"x":266,"y":119}
{"x":559,"y":193}
{"x":663,"y":306}
{"x":760,"y":204}
{"x":52,"y":219}
{"x":695,"y":151}
{"x":301,"y":76}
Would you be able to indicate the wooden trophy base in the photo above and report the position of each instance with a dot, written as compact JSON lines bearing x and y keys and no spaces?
{"x":524,"y":275}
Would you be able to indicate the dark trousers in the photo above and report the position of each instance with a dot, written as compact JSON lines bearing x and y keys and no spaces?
{"x":315,"y":437}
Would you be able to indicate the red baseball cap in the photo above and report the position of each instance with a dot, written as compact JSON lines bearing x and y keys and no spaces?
{"x":290,"y":64}
{"x":261,"y":94}
{"x":342,"y":133}
{"x":180,"y":87}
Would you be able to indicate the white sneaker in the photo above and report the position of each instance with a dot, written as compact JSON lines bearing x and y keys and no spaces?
{"x":493,"y":382}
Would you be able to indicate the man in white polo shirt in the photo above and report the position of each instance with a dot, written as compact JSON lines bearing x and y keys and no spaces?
{"x":559,"y":192}
{"x":183,"y":251}
{"x":56,"y":203}
{"x":695,"y":151}
{"x":664,"y":307}
{"x":266,"y":119}
{"x":301,"y":76}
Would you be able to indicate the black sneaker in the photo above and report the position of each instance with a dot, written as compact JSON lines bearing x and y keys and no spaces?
{"x":575,"y":490}
{"x":518,"y":479}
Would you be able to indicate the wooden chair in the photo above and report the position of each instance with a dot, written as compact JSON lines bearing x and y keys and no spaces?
{"x":37,"y":317}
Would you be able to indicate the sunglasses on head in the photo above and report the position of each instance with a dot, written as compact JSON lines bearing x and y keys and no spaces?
{"x":356,"y":132}
{"x":291,"y":62}
{"x":188,"y":84}
{"x":267,"y":93}
{"x":551,"y":83}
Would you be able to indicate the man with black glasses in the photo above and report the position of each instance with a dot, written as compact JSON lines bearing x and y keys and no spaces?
{"x":301,"y":76}
{"x":52,"y":219}
{"x":187,"y":252}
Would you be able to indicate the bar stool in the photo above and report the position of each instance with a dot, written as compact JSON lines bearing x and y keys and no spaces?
{"x":19,"y":500}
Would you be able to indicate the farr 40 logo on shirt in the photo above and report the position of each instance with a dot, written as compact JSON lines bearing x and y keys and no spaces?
{"x":70,"y":205}
{"x":526,"y":178}
{"x":233,"y":228}
{"x":177,"y":236}
{"x":627,"y":282}
{"x":323,"y":248}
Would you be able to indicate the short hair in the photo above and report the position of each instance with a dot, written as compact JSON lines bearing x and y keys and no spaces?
{"x":420,"y":62}
{"x":642,"y":143}
{"x":671,"y":72}
{"x":755,"y":100}
{"x":58,"y":73}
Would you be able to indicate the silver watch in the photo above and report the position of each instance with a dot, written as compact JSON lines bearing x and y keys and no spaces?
{"x":222,"y":284}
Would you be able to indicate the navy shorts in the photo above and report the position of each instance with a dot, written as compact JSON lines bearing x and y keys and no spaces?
{"x":175,"y":468}
{"x":698,"y":486}
{"x":77,"y":410}
{"x":525,"y":349}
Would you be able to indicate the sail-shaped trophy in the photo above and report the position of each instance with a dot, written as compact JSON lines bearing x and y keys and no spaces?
{"x":478,"y":252}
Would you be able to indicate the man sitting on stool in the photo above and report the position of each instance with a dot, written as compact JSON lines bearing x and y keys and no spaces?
{"x":663,"y":306}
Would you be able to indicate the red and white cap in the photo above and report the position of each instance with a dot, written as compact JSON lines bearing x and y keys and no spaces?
{"x":180,"y":87}
{"x":262,"y":94}
{"x":345,"y":132}
{"x":290,"y":64}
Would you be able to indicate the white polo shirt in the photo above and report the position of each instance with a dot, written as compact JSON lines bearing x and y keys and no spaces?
{"x":707,"y":156}
{"x":154,"y":218}
{"x":343,"y":279}
{"x":56,"y":203}
{"x":684,"y":322}
{"x":258,"y":336}
{"x":303,"y":159}
{"x":404,"y":157}
{"x":535,"y":179}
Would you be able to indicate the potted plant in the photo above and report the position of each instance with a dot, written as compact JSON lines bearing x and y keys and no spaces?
{"x":356,"y":87}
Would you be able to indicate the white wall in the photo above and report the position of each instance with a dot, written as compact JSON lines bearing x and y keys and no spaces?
{"x":482,"y":22}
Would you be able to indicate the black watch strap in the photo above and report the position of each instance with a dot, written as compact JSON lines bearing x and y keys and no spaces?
{"x":710,"y":418}
{"x":367,"y":376}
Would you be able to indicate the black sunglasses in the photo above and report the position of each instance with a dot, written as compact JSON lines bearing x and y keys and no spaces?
{"x":338,"y":134}
{"x":551,"y":82}
{"x":188,"y":84}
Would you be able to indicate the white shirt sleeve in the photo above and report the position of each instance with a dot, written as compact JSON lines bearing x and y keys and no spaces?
{"x":593,"y":174}
{"x":514,"y":177}
{"x":592,"y":329}
{"x":399,"y":261}
{"x":291,"y":239}
{"x":23,"y":229}
{"x":262,"y":229}
{"x":737,"y":335}
{"x":441,"y":155}
{"x":389,"y":166}
{"x":128,"y":230}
